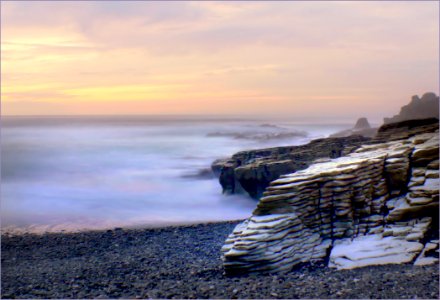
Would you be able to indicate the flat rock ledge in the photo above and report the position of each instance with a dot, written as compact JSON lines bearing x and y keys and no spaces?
{"x":377,"y":205}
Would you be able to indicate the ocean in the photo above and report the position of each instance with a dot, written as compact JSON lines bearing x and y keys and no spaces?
{"x":87,"y":173}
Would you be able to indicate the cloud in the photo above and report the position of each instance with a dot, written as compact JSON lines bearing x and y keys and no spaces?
{"x":217,"y":51}
{"x":207,"y":26}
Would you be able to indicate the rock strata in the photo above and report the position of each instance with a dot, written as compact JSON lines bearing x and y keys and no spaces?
{"x":252,"y":171}
{"x":376,"y":205}
{"x":405,"y":129}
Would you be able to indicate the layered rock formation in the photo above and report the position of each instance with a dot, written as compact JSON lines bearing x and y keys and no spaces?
{"x":376,"y":205}
{"x":252,"y":171}
{"x":405,"y":129}
{"x":418,"y":108}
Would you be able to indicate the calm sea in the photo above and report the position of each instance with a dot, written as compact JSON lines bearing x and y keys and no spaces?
{"x":77,"y":173}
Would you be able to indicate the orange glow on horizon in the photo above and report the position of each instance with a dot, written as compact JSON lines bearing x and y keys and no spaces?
{"x":288,"y":58}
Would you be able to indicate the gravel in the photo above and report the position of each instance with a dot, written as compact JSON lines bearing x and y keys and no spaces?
{"x":180,"y":262}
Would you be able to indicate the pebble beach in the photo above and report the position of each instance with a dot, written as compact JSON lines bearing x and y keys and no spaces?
{"x":181,"y":262}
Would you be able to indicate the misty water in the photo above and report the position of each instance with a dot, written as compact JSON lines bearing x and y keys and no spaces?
{"x":76,"y":173}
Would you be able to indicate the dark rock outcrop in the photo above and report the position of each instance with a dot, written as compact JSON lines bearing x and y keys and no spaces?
{"x":362,"y":127}
{"x":377,"y":205}
{"x":405,"y":129}
{"x":362,"y":123}
{"x":253,"y":170}
{"x":418,"y":108}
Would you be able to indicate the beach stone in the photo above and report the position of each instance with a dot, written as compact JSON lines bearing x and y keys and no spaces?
{"x":183,"y":263}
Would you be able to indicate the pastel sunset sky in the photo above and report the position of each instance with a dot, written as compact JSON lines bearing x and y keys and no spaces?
{"x":295,"y":59}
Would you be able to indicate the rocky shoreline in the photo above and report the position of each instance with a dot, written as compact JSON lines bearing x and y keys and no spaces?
{"x":353,"y":203}
{"x":181,"y":262}
{"x":350,"y":202}
{"x":252,"y":171}
{"x":374,"y":206}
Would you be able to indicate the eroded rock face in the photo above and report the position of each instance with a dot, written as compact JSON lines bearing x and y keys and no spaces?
{"x":381,"y":199}
{"x":252,"y":171}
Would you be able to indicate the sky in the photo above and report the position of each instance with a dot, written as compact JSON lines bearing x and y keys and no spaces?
{"x":289,"y":59}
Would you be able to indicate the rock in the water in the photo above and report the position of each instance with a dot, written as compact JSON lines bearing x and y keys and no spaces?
{"x":252,"y":171}
{"x":381,"y":189}
{"x":362,"y":123}
{"x":362,"y":128}
{"x":418,"y":108}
